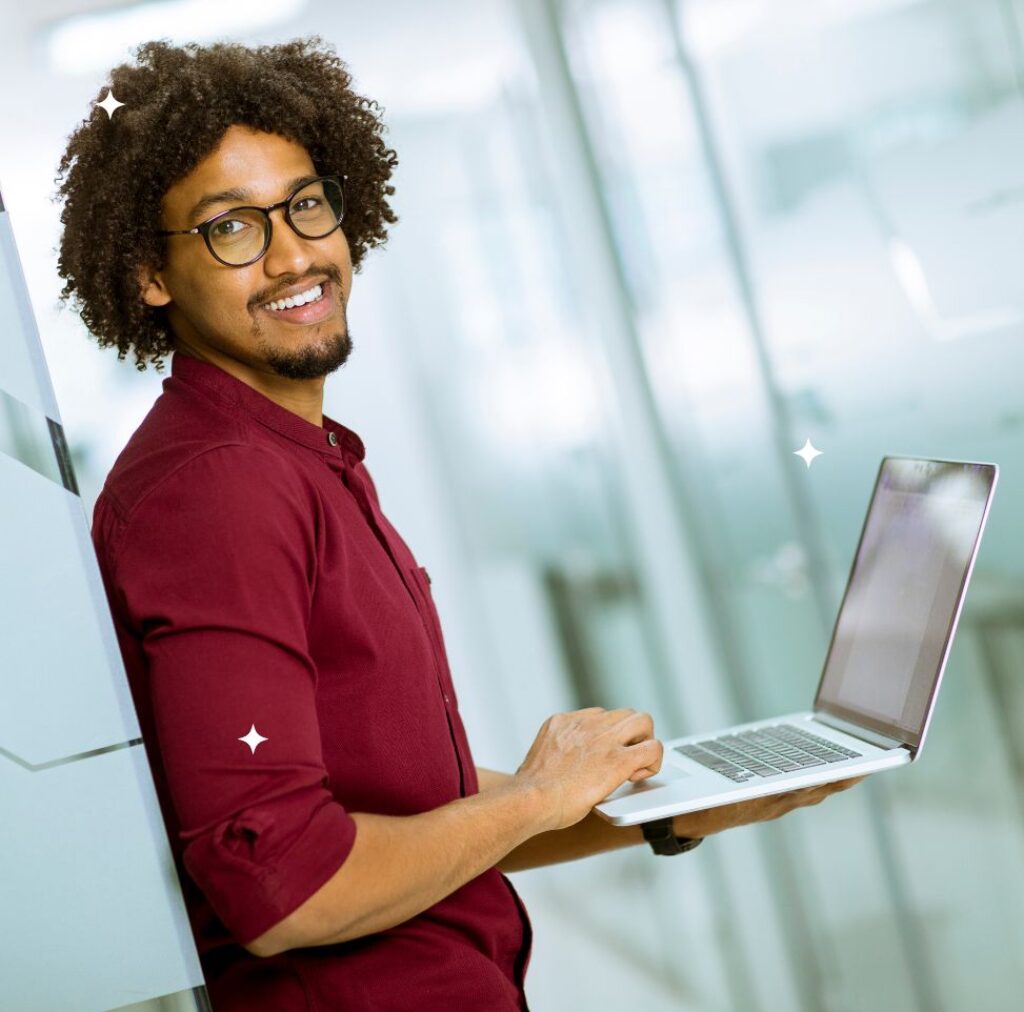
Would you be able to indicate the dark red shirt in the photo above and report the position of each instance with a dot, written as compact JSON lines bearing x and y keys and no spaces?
{"x":255,"y":582}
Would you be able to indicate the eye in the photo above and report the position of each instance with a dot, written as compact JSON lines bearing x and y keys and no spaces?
{"x":228,"y":228}
{"x":306,"y":204}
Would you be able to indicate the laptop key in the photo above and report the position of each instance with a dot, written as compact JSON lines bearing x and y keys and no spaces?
{"x":762,"y":769}
{"x":714,"y":762}
{"x":733,"y":773}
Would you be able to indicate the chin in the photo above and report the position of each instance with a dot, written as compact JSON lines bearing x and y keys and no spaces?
{"x":317,"y":360}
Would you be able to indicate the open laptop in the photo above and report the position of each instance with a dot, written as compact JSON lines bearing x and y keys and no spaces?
{"x":883,"y":667}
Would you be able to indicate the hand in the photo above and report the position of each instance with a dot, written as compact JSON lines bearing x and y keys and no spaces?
{"x":742,"y":813}
{"x":579,"y":758}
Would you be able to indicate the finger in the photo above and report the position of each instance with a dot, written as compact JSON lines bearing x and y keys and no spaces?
{"x":642,"y":774}
{"x":814,"y":791}
{"x":792,"y":795}
{"x":647,"y":771}
{"x":816,"y":794}
{"x":636,"y":727}
{"x":597,"y":717}
{"x":798,"y":798}
{"x":621,"y":713}
{"x":835,"y":787}
{"x":774,"y":805}
{"x":814,"y":798}
{"x":844,"y":785}
{"x":823,"y":790}
{"x":785,"y":802}
{"x":647,"y":755}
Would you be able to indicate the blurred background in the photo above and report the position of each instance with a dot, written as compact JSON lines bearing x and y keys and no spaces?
{"x":646,"y":249}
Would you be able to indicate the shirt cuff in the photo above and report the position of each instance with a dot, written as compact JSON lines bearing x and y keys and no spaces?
{"x":252,"y":889}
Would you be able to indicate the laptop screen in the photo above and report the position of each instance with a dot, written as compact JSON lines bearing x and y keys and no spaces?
{"x":904,"y":594}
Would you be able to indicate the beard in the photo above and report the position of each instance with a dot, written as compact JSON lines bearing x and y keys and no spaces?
{"x":314,"y":359}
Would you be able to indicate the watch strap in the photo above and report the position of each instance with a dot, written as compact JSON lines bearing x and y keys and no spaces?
{"x":663,"y":840}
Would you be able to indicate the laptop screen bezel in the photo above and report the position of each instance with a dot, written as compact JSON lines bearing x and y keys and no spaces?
{"x":912,"y":739}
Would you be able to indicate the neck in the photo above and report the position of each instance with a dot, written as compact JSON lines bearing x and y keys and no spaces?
{"x":304,"y":398}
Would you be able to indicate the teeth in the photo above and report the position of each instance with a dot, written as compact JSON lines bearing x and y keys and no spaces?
{"x":310,"y":295}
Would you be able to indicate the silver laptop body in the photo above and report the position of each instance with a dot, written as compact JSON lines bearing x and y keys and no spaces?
{"x":883,"y":668}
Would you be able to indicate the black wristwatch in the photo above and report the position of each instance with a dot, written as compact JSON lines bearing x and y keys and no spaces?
{"x":663,"y":840}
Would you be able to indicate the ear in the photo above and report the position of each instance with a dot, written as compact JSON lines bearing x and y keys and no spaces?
{"x":152,"y":287}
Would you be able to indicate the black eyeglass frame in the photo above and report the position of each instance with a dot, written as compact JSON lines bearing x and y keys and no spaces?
{"x":203,"y":228}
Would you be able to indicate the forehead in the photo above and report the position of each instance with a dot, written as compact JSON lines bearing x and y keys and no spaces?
{"x":245,"y":159}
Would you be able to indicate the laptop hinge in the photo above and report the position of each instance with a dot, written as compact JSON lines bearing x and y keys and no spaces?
{"x":865,"y":734}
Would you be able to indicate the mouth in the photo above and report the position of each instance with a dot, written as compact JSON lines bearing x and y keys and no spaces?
{"x":311,"y":305}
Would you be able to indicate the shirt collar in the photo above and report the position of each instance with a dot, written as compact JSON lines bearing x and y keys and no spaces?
{"x":213,"y":379}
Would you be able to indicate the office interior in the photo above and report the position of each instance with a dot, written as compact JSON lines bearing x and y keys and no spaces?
{"x":645,"y":249}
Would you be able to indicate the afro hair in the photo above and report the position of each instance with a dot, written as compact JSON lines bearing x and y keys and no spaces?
{"x":178,"y":103}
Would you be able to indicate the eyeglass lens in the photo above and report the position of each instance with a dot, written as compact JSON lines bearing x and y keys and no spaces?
{"x":313,"y":212}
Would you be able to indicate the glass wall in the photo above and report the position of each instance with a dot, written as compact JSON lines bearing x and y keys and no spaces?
{"x":92,"y":914}
{"x":645,"y":250}
{"x":683,"y":239}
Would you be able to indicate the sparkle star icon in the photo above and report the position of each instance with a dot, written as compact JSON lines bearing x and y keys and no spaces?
{"x":253,"y":738}
{"x":110,"y":104}
{"x":808,"y":452}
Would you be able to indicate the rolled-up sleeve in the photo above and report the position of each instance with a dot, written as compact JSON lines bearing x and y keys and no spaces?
{"x":215,"y":569}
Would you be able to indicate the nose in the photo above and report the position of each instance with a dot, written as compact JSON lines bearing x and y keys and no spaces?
{"x":288,"y":252}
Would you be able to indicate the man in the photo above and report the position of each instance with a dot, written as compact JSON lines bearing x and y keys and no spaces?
{"x":337,"y":845}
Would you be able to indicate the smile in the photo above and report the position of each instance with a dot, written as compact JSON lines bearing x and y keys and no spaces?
{"x":313,"y":305}
{"x":313,"y":294}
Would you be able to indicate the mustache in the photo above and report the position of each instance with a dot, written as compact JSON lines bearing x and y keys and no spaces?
{"x":330,"y":271}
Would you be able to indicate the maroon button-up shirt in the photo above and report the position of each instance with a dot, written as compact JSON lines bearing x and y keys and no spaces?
{"x":256,"y":584}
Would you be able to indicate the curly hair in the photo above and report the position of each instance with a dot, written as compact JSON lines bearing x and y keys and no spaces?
{"x":178,"y":103}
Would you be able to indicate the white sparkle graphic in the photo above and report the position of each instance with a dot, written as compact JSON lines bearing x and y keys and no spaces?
{"x":110,"y":104}
{"x":808,"y":452}
{"x":253,"y":738}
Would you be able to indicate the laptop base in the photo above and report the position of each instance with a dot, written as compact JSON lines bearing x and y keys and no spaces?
{"x":684,"y":785}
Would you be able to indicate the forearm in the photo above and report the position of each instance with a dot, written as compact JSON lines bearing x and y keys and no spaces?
{"x":401,"y":865}
{"x":591,"y":835}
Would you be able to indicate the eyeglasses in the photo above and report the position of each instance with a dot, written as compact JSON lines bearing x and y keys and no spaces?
{"x":240,"y":236}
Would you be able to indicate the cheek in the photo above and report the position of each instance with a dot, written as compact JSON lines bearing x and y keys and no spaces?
{"x":216,"y":306}
{"x":346,"y":270}
{"x":343,"y":256}
{"x":227,"y":297}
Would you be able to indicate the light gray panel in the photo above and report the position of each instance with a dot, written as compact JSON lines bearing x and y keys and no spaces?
{"x":92,"y":917}
{"x":64,"y":687}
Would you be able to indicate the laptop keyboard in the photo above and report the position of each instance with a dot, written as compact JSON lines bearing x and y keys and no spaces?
{"x":765,"y":752}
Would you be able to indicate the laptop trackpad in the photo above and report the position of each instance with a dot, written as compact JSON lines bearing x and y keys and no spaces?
{"x":660,"y":780}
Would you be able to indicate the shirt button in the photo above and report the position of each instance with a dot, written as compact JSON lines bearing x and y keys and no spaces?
{"x":332,"y":439}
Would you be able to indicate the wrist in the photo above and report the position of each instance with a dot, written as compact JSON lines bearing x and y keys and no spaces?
{"x":535,"y":804}
{"x":689,"y":825}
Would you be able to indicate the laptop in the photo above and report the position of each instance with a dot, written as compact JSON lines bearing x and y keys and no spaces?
{"x":883,"y":668}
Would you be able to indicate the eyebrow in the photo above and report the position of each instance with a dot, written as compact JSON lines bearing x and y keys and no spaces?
{"x":239,"y":193}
